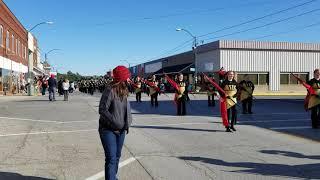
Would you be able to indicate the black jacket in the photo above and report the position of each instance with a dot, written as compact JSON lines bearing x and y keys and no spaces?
{"x":111,"y":110}
{"x":52,"y":83}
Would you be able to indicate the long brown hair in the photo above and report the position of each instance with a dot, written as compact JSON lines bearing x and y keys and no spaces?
{"x":120,"y":89}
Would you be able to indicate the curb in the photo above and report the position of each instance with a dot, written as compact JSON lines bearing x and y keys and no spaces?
{"x":269,"y":93}
{"x":279,"y":94}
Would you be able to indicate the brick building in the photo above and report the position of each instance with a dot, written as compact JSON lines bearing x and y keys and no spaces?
{"x":13,"y":51}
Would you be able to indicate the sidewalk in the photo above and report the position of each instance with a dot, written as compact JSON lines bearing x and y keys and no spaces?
{"x":280,"y":93}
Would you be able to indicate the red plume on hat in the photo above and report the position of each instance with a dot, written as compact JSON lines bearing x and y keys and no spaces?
{"x":121,"y":74}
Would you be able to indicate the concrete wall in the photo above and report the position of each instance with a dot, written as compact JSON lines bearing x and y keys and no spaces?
{"x":151,"y":68}
{"x":183,"y":58}
{"x":208,"y":59}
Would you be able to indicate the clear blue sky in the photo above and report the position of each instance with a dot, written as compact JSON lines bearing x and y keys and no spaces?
{"x":95,"y":35}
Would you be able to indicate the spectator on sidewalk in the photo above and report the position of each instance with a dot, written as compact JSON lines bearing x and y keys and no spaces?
{"x":44,"y":85}
{"x":52,"y":87}
{"x":72,"y":88}
{"x":60,"y":88}
{"x":115,"y":119}
{"x":66,"y":86}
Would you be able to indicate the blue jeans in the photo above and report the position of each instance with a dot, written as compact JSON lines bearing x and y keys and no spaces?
{"x":52,"y":92}
{"x":112,"y":144}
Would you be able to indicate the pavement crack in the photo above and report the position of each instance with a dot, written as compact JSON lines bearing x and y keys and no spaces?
{"x":20,"y":147}
{"x":202,"y":171}
{"x":133,"y":155}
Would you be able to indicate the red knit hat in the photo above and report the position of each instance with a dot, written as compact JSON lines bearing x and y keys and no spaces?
{"x":121,"y":73}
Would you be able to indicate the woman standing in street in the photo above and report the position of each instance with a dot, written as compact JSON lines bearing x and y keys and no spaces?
{"x":66,"y":86}
{"x":115,"y":119}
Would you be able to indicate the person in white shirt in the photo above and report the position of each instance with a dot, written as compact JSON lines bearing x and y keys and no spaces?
{"x":66,"y":86}
{"x":72,"y":88}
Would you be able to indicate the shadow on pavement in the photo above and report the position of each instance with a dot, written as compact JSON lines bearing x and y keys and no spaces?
{"x":194,"y":108}
{"x":310,"y":171}
{"x":290,"y":154}
{"x":200,"y":107}
{"x":38,"y":100}
{"x":285,"y":116}
{"x":176,"y":128}
{"x":16,"y":176}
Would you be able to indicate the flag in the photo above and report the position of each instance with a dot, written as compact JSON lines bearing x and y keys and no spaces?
{"x":216,"y":85}
{"x":221,"y":72}
{"x":311,"y":99}
{"x":156,"y":88}
{"x":307,"y":86}
{"x":245,"y":93}
{"x":133,"y":84}
{"x":223,"y":101}
{"x":174,"y":85}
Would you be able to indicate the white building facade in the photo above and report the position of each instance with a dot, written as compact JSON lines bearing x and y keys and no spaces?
{"x":267,"y":64}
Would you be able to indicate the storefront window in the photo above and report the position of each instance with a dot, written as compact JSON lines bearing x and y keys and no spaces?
{"x":251,"y":77}
{"x":304,"y":77}
{"x":7,"y":80}
{"x":263,"y":79}
{"x":1,"y":83}
{"x":290,"y":79}
{"x":15,"y":82}
{"x":284,"y":78}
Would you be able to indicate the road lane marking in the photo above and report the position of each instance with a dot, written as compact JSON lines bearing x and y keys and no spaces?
{"x":47,"y":132}
{"x":43,"y":121}
{"x":102,"y":174}
{"x":164,"y":125}
{"x":296,"y":127}
{"x":265,"y":114}
{"x":282,"y":120}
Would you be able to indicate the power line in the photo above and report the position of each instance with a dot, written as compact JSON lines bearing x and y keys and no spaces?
{"x":166,"y":52}
{"x":259,"y":18}
{"x":289,"y":31}
{"x":183,"y":45}
{"x":186,"y":13}
{"x":265,"y":25}
{"x":178,"y":49}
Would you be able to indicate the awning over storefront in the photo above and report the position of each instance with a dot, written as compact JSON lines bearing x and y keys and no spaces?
{"x":38,"y":72}
{"x":183,"y":68}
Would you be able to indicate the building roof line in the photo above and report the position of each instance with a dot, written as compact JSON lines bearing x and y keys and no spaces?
{"x":13,"y":15}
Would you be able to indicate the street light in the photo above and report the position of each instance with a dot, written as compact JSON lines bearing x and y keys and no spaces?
{"x":47,"y":22}
{"x":194,"y":48}
{"x":47,"y":53}
{"x":30,"y":59}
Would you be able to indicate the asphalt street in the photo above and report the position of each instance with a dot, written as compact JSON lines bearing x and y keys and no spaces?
{"x":59,"y":140}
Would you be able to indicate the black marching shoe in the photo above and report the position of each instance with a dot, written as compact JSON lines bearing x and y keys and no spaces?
{"x":228,"y":129}
{"x":233,"y":129}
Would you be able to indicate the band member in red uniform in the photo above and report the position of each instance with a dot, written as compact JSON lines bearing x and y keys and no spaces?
{"x":181,"y":96}
{"x":138,"y":88}
{"x":154,"y":91}
{"x":314,"y":100}
{"x":230,"y":86}
{"x":211,"y":92}
{"x":246,"y":95}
